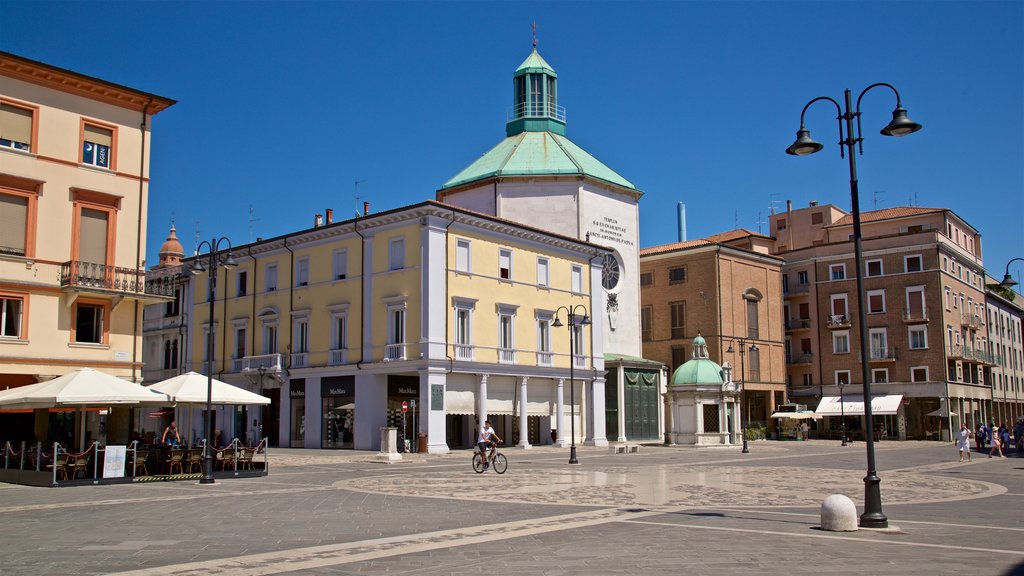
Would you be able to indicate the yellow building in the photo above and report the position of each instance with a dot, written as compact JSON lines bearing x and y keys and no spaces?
{"x":74,"y":181}
{"x":446,"y":312}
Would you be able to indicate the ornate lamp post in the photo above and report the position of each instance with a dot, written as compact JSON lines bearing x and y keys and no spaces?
{"x":570,"y":312}
{"x":901,"y":125}
{"x":214,"y":260}
{"x":743,"y":378}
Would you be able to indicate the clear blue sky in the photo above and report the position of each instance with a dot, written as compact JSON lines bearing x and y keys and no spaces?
{"x":283,"y":106}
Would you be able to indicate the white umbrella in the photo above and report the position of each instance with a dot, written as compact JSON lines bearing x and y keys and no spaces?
{"x":191,"y":388}
{"x":82,"y":387}
{"x":79,"y":389}
{"x":940,"y":413}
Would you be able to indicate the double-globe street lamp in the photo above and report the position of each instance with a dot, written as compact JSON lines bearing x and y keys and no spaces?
{"x":743,"y":379}
{"x":214,"y":260}
{"x":901,"y":125}
{"x":570,"y":312}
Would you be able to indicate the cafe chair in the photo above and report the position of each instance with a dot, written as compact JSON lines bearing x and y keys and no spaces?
{"x":174,"y":461}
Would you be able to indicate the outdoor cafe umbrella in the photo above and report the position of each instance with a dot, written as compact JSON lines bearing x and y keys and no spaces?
{"x":940,"y":413}
{"x":191,"y":388}
{"x":78,"y":389}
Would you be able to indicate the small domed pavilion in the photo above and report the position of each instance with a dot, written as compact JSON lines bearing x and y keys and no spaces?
{"x":702,"y":402}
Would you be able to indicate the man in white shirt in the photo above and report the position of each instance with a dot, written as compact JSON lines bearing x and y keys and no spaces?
{"x":487,"y":439}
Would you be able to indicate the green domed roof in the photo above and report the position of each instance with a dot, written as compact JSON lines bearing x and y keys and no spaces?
{"x":700,"y":370}
{"x":536,"y":154}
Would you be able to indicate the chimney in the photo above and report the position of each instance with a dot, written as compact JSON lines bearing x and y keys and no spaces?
{"x":330,"y":215}
{"x":681,"y":216}
{"x":366,"y":208}
{"x":318,"y":221}
{"x":814,"y":203}
{"x":789,"y":205}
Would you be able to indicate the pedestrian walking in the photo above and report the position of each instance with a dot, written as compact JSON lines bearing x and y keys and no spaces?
{"x":963,"y":442}
{"x":979,"y":436}
{"x":1004,"y":436}
{"x":997,"y":444}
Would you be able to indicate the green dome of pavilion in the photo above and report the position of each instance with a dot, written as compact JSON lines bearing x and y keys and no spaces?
{"x":701,"y":370}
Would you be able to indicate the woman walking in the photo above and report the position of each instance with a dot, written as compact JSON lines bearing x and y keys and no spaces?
{"x":997,"y":443}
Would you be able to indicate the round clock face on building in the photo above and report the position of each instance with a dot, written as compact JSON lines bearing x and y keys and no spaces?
{"x":611,"y":272}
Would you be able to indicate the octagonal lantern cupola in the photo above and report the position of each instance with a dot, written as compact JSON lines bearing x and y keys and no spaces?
{"x":535,"y":99}
{"x":701,"y":370}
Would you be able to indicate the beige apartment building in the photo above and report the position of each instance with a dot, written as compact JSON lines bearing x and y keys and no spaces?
{"x":925,"y":296}
{"x":1004,"y":317}
{"x":74,"y":181}
{"x":728,"y":289}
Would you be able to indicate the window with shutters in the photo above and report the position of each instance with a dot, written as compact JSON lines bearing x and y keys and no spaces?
{"x":93,"y":233}
{"x":577,"y":279}
{"x":17,"y":126}
{"x":505,"y":264}
{"x":99,"y":145}
{"x":302,"y":272}
{"x":339,"y":260}
{"x":462,"y":247}
{"x":646,"y":328}
{"x":270,"y":277}
{"x":396,"y":254}
{"x":542,"y":271}
{"x":678,"y":314}
{"x":17,"y":222}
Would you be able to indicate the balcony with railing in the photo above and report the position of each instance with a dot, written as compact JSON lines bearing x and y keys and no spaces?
{"x":797,"y":324}
{"x":270,"y":363}
{"x":545,"y":359}
{"x":394,"y":352}
{"x":464,"y":352}
{"x":579,"y":361}
{"x":799,"y":289}
{"x":116,"y":281}
{"x":799,"y":359}
{"x":915,"y":316}
{"x":506,"y":356}
{"x":838,"y":322}
{"x":882,"y":354}
{"x":236,"y":364}
{"x":972,"y":321}
{"x":535,"y":110}
{"x":337,"y":357}
{"x":300,"y":360}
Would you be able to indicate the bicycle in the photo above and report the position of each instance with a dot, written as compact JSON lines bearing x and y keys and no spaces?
{"x":497,"y":461}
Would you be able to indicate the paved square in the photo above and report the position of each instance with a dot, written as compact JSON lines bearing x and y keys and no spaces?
{"x":666,"y":510}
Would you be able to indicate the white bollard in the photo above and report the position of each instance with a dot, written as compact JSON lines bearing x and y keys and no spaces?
{"x":838,"y":514}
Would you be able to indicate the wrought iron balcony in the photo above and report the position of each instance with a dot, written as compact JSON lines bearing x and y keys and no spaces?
{"x":794,"y":324}
{"x":114,"y":280}
{"x":799,"y":359}
{"x":838,"y":321}
{"x":912,"y":317}
{"x":879,"y":354}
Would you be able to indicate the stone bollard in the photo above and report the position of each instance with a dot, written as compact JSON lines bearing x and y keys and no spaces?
{"x":389,"y":445}
{"x":838,"y":514}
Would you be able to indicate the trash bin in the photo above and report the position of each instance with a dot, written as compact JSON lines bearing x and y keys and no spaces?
{"x":421,"y":442}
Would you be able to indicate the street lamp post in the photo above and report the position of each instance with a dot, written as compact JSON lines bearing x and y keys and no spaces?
{"x":901,"y":125}
{"x":743,"y":378}
{"x":215,"y":260}
{"x":570,"y":312}
{"x":1008,"y":281}
{"x":842,"y":413}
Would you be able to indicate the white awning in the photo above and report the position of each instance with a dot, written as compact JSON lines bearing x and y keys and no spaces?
{"x":459,"y":402}
{"x":853,"y":405}
{"x":802,"y":415}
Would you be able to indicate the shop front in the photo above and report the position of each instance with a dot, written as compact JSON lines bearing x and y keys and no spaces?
{"x":403,"y":389}
{"x":297,"y":398}
{"x":338,"y":398}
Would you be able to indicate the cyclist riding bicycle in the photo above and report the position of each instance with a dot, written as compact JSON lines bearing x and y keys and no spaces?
{"x":487,"y":439}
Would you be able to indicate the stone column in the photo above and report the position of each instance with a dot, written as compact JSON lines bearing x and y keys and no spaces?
{"x":563,"y":437}
{"x":524,"y":428}
{"x":481,"y":400}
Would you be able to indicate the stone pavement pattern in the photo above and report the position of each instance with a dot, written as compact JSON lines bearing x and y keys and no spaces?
{"x":666,"y":510}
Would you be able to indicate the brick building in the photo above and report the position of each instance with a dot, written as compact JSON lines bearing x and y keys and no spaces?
{"x":726,"y":288}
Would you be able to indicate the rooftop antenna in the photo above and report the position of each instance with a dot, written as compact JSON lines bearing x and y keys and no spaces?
{"x":735,"y":219}
{"x":759,"y":222}
{"x":771,"y":203}
{"x":875,"y":196}
{"x":534,"y":26}
{"x":357,"y":197}
{"x":198,"y":237}
{"x":252,"y":218}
